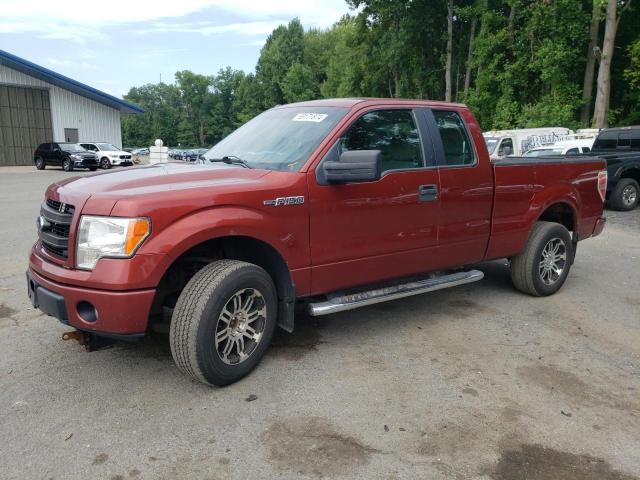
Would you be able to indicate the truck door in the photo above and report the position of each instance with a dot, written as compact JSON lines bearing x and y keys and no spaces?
{"x":372,"y":231}
{"x":466,"y":186}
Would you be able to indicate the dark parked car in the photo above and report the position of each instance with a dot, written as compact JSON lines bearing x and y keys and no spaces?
{"x":621,"y":149}
{"x":66,"y":155}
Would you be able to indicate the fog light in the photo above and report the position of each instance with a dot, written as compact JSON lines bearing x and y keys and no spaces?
{"x":87,"y":312}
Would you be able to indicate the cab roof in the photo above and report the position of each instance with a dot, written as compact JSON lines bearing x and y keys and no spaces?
{"x":364,"y":102}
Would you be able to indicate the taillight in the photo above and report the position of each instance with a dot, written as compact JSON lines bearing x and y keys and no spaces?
{"x":602,"y":184}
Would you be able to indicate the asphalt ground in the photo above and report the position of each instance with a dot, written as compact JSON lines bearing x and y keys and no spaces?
{"x":477,"y":382}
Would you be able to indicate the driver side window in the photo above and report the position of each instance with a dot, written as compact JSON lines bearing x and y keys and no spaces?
{"x":393,"y":132}
{"x":506,"y":147}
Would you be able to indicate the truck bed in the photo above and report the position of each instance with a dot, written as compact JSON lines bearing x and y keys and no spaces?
{"x":527,"y":186}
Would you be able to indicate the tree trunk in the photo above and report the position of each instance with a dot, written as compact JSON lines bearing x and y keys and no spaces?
{"x":512,"y":16}
{"x":447,"y":95}
{"x":485,"y":7}
{"x":601,"y":108}
{"x":467,"y":75}
{"x":587,"y":84}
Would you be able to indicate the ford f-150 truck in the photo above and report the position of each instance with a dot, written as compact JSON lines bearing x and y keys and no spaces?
{"x":326,"y":205}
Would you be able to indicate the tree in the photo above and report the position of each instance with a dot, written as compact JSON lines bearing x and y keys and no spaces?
{"x":196,"y":106}
{"x":587,"y":84}
{"x":601,"y":108}
{"x":447,"y":74}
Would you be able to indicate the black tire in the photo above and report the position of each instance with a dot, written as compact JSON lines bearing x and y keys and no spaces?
{"x":105,"y":163}
{"x":529,"y":271}
{"x":93,"y":169}
{"x":197,"y":321}
{"x":625,"y":195}
{"x":40,"y":163}
{"x":67,"y":165}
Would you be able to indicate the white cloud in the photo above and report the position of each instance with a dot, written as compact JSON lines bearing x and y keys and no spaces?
{"x":81,"y":19}
{"x":207,"y":28}
{"x":55,"y":62}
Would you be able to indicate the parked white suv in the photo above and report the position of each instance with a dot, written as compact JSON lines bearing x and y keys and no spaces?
{"x":109,"y":155}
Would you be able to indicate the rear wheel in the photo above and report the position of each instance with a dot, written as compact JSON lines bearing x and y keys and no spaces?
{"x":40,"y":163}
{"x":67,"y":165}
{"x":542,"y":268}
{"x":223,"y":322}
{"x":105,"y":163}
{"x":626,"y":195}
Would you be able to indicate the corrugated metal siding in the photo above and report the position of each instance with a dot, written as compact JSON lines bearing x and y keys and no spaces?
{"x":95,"y":122}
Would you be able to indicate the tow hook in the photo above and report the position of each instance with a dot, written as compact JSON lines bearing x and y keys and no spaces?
{"x":90,"y":341}
{"x":75,"y":335}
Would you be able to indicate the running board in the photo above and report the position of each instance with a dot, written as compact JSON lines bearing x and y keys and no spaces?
{"x":340,"y":303}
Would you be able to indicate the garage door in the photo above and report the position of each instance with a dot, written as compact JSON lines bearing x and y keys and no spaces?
{"x":25,"y":122}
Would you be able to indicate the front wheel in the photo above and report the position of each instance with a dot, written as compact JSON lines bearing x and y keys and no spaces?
{"x":626,"y":195}
{"x":40,"y":163}
{"x":542,"y":268}
{"x":105,"y":164}
{"x":223,"y":322}
{"x":67,"y":165}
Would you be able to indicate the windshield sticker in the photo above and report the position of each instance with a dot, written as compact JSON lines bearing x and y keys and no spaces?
{"x":310,"y":117}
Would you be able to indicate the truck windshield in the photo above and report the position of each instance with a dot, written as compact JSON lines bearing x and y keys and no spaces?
{"x":492,"y":143}
{"x":279,"y":139}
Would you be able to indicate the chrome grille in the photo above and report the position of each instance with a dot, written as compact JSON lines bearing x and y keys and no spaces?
{"x":55,"y":226}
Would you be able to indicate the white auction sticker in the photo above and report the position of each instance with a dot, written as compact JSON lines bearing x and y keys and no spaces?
{"x":310,"y":117}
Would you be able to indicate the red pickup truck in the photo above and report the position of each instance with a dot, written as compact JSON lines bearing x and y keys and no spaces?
{"x":329,"y":205}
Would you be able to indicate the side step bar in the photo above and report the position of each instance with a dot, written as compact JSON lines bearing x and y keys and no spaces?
{"x":340,"y":303}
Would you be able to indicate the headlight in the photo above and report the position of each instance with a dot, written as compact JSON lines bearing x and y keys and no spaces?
{"x":113,"y":156}
{"x":75,"y":157}
{"x":115,"y":237}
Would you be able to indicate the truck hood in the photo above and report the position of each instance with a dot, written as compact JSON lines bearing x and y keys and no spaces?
{"x":159,"y":178}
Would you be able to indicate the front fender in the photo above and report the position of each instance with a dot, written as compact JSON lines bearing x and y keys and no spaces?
{"x":287,"y":234}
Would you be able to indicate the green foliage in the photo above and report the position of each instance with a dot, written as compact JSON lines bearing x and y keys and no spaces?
{"x":527,"y":67}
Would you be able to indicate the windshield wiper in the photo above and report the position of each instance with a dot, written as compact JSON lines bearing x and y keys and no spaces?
{"x":231,"y":160}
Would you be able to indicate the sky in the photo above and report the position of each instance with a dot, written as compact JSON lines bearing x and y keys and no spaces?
{"x":116,"y":44}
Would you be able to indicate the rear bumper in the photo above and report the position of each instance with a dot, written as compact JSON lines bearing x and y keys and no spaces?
{"x":599,"y":226}
{"x":91,"y":310}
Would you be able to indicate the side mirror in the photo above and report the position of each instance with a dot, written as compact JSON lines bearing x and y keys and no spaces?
{"x":354,"y":166}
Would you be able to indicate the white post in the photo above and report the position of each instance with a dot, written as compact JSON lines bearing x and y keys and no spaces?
{"x":158,"y":153}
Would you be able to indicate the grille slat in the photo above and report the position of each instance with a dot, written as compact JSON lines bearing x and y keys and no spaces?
{"x":56,"y":227}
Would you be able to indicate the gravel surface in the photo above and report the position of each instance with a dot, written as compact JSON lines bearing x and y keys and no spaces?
{"x":477,"y":382}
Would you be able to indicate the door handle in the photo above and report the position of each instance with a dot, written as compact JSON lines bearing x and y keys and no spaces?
{"x":428,"y":193}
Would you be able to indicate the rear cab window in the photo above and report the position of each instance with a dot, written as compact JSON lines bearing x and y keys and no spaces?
{"x":456,"y":143}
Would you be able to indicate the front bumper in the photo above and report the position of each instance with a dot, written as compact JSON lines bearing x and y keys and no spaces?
{"x":85,"y":163}
{"x":113,"y":313}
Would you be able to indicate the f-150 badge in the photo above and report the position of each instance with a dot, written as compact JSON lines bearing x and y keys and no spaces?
{"x":285,"y":201}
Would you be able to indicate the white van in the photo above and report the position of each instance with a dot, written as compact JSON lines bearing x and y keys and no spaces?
{"x":502,"y":143}
{"x":564,"y":147}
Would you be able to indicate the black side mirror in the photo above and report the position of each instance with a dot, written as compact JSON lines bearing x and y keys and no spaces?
{"x":354,"y":166}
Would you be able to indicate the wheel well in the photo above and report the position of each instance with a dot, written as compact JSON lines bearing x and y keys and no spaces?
{"x":247,"y":249}
{"x":561,"y":213}
{"x":632,"y":173}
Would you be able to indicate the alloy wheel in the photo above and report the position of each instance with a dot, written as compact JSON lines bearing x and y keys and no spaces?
{"x":553,"y":261}
{"x":240,"y":326}
{"x":629,"y":195}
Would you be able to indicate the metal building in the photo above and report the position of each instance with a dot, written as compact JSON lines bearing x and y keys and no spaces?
{"x":38,"y":105}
